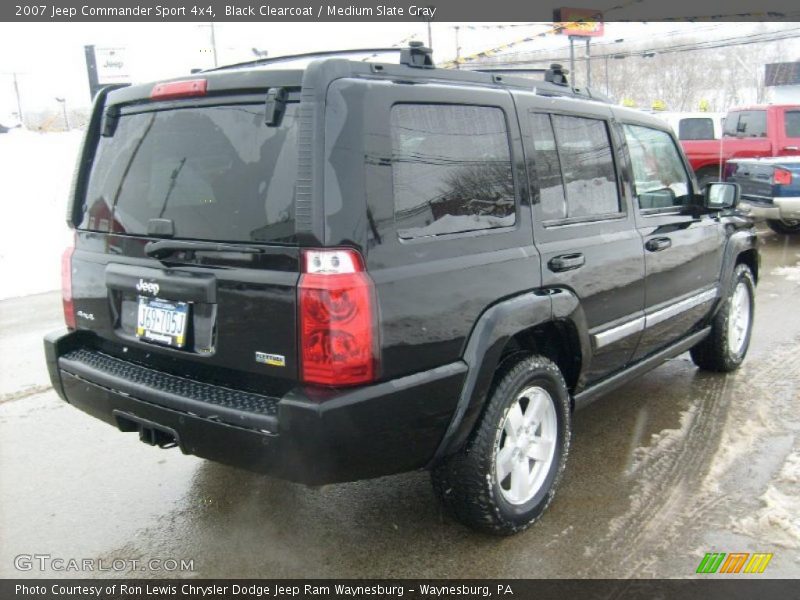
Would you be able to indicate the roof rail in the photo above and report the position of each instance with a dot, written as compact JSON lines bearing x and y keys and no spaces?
{"x":417,"y":55}
{"x":505,"y":70}
{"x":321,"y":54}
{"x":554,"y":81}
{"x":555,"y":73}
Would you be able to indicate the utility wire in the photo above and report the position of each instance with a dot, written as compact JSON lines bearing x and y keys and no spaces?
{"x":678,"y":48}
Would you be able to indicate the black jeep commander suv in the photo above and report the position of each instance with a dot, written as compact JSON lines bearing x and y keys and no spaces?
{"x":346,"y":269}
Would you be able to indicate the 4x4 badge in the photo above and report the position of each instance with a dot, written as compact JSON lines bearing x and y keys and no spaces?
{"x":145,"y":286}
{"x":276,"y":360}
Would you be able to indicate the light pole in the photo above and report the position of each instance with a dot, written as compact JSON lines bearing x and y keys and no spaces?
{"x":214,"y":43}
{"x":458,"y":50}
{"x":19,"y":102}
{"x":63,"y":102}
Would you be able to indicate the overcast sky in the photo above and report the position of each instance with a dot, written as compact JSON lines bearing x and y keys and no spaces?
{"x":49,"y":57}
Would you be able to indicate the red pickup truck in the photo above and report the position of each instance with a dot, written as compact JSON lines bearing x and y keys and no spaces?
{"x":748,"y":132}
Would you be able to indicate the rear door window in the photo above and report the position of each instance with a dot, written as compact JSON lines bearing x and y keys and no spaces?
{"x":451,"y":169}
{"x":792,"y":123}
{"x":587,"y":167}
{"x":547,"y":166}
{"x":219,"y":173}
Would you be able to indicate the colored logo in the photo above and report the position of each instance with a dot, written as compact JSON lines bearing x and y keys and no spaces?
{"x":735,"y":562}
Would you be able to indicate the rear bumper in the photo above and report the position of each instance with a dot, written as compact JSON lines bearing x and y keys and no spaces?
{"x":310,"y":435}
{"x":780,"y":209}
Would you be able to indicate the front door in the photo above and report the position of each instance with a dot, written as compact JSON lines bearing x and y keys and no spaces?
{"x":682,"y":248}
{"x":584,"y":228}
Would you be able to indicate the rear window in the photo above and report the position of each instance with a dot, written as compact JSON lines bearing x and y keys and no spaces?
{"x":219,"y":173}
{"x":793,"y":123}
{"x":747,"y":123}
{"x":696,"y":128}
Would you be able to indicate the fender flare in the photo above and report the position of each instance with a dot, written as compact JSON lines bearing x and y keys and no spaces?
{"x":741,"y":240}
{"x":484,"y":348}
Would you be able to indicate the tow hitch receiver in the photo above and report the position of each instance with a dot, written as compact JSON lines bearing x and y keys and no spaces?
{"x":150,"y":433}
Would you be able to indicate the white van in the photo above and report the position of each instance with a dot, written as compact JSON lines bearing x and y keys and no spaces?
{"x":694,"y":125}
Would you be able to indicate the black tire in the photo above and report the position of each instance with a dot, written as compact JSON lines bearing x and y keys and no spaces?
{"x":714,"y":353}
{"x":466,"y":482}
{"x":784,"y":227}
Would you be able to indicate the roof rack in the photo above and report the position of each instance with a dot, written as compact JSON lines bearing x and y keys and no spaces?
{"x":555,"y":81}
{"x":322,"y":54}
{"x":555,"y":73}
{"x":418,"y":57}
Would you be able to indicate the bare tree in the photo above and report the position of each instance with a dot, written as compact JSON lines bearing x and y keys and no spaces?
{"x":716,"y":77}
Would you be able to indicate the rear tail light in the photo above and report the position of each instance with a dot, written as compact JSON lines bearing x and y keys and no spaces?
{"x":781,"y":177}
{"x":338,"y":319}
{"x":179,"y":89}
{"x":66,"y":287}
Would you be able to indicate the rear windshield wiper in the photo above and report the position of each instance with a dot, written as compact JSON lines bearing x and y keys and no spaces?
{"x":165,"y":248}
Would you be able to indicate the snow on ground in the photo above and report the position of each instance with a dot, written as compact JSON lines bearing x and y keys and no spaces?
{"x":790,"y":273}
{"x":35,"y":174}
{"x":778,"y":520}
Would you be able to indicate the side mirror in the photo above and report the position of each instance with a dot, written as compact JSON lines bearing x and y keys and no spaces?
{"x":719,"y":196}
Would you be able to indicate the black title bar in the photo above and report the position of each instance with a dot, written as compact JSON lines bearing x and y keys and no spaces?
{"x":390,"y":10}
{"x":705,"y":588}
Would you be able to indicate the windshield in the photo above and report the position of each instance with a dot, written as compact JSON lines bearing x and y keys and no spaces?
{"x":218,"y":173}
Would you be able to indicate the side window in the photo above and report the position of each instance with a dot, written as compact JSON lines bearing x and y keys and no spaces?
{"x":747,"y":123}
{"x":660,"y":179}
{"x":587,"y":166}
{"x":546,"y":166}
{"x":451,"y":169}
{"x":696,"y":128}
{"x":792,"y":123}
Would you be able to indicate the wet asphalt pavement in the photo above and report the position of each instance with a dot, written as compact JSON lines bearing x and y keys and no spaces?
{"x":673,"y":465}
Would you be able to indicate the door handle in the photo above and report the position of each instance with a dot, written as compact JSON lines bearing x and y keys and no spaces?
{"x":566,"y":262}
{"x":791,"y":148}
{"x":658,"y":244}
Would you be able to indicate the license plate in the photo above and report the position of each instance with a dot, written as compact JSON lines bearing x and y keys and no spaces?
{"x":162,"y":321}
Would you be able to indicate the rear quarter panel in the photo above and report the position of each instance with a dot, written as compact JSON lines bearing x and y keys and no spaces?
{"x":431,"y":290}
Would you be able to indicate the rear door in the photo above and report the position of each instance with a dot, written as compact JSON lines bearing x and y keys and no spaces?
{"x":682,"y":249}
{"x":788,"y":131}
{"x":185,"y":254}
{"x":745,"y":135}
{"x":583,"y":226}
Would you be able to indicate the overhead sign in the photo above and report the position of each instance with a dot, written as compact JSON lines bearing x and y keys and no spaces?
{"x":787,"y":73}
{"x":580,"y":22}
{"x":112,"y":65}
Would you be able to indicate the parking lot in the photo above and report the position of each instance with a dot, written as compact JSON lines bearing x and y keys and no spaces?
{"x":667,"y":468}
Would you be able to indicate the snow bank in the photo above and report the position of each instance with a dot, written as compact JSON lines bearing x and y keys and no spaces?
{"x":778,"y":520}
{"x":34,"y":183}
